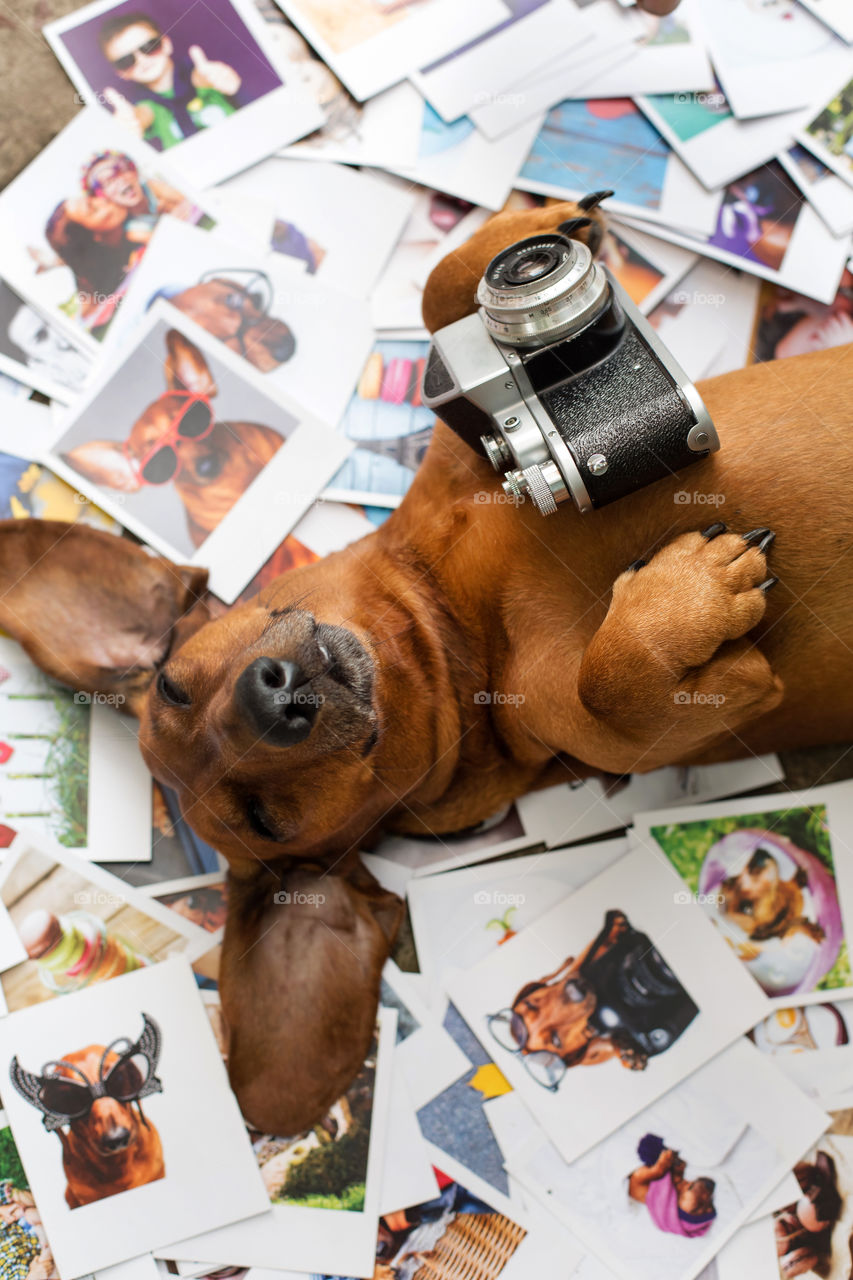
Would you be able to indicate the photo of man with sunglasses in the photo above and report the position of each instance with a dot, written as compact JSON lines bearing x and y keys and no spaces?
{"x":177,"y":96}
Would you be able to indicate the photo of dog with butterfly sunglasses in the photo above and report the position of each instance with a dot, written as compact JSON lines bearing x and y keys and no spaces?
{"x":92,"y":1100}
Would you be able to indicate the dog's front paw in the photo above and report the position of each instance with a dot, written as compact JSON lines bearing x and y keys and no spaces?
{"x":634,"y":1059}
{"x":696,"y":593}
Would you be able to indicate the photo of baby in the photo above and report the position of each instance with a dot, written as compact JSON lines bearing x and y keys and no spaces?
{"x":662,"y":1194}
{"x":163,"y":73}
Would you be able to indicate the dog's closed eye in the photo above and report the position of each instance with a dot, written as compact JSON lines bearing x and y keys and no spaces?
{"x":258,"y":820}
{"x":171,"y":692}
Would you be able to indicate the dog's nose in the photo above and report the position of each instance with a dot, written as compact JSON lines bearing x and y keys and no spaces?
{"x":116,"y":1139}
{"x":276,"y":698}
{"x":283,"y":347}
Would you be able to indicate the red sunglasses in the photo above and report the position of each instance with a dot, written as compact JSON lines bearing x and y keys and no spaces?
{"x":193,"y":421}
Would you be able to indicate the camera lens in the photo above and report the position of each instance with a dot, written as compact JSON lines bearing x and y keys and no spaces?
{"x":541,"y":289}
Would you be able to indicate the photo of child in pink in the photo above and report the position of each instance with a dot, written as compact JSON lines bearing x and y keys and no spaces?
{"x":677,"y":1205}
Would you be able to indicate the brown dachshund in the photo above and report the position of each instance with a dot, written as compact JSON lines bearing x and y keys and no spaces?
{"x":213,"y":471}
{"x":395,"y":637}
{"x":556,"y":1022}
{"x":107,"y":1145}
{"x":766,"y":906}
{"x":236,"y":313}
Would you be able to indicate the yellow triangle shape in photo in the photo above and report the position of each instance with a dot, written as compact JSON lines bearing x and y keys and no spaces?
{"x":489,"y":1082}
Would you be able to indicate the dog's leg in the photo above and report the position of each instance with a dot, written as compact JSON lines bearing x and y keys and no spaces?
{"x":668,"y":671}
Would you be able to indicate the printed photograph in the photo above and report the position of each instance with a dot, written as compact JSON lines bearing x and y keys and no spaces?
{"x":24,"y":1247}
{"x":389,"y":424}
{"x":79,"y":927}
{"x":34,"y":349}
{"x":768,"y":882}
{"x":79,"y":219}
{"x":185,"y":437}
{"x":790,"y":324}
{"x":112,"y":1119}
{"x":454,"y":1119}
{"x":664,"y":1193}
{"x":806,"y":1030}
{"x":503,"y":833}
{"x":274,"y":319}
{"x":590,"y":1010}
{"x":832,"y":129}
{"x":204,"y":904}
{"x":605,"y":143}
{"x":758,"y":215}
{"x":638,"y":276}
{"x":95,"y":1092}
{"x":813,"y":1234}
{"x":44,"y":753}
{"x":166,"y":71}
{"x":348,"y":23}
{"x":690,"y":114}
{"x":446,"y":1238}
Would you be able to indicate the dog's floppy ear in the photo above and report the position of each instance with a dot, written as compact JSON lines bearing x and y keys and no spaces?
{"x":186,"y":368}
{"x":451,"y":289}
{"x":299,"y":984}
{"x":93,"y":610}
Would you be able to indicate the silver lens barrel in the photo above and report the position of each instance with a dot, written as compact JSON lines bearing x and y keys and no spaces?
{"x":540,"y":290}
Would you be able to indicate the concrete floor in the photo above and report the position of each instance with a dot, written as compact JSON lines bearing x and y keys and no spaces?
{"x":37,"y":99}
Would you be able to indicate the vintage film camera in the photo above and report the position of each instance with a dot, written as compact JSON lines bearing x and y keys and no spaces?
{"x":561,"y":383}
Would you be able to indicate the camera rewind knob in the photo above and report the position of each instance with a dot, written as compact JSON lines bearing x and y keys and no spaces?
{"x":532,"y":483}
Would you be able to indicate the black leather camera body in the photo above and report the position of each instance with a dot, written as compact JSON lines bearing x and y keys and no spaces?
{"x":562,"y":384}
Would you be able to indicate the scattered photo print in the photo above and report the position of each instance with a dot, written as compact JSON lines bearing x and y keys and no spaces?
{"x":80,"y":926}
{"x":126,"y":1139}
{"x":790,"y":324}
{"x":38,"y":351}
{"x":389,"y":425}
{"x":832,"y":131}
{"x":758,"y":215}
{"x":812,"y":1235}
{"x":77,"y":221}
{"x":768,"y":882}
{"x":587,"y":146}
{"x":203,"y":86}
{"x":662,"y":1194}
{"x":203,"y":900}
{"x":24,"y":1247}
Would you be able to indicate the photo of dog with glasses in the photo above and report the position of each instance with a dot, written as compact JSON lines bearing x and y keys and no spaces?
{"x":92,"y":1100}
{"x":617,"y":999}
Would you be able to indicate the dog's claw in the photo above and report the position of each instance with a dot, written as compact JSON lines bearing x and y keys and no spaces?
{"x":765,"y":586}
{"x":756,"y":535}
{"x":766,"y":541}
{"x":714,"y":530}
{"x":593,"y":200}
{"x":572,"y":225}
{"x":637,"y":564}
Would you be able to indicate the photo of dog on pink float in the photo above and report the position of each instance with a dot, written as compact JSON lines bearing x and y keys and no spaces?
{"x":775,"y":880}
